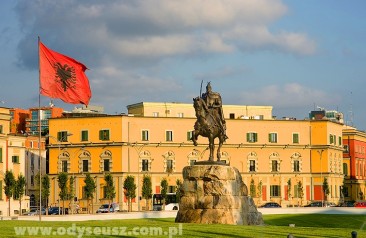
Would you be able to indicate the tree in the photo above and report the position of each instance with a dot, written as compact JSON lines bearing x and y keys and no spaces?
{"x":89,"y":189}
{"x":129,"y":187}
{"x":252,"y":188}
{"x":71,"y":193}
{"x":146,"y":189}
{"x":289,"y":189}
{"x":46,"y":185}
{"x":19,"y":190}
{"x":325,"y":188}
{"x":178,"y":189}
{"x":164,"y":190}
{"x":300,"y":191}
{"x":110,"y":192}
{"x":62,"y":179}
{"x":9,"y":186}
{"x":259,"y":187}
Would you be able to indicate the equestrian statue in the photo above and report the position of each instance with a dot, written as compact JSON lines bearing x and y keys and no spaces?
{"x":210,"y":120}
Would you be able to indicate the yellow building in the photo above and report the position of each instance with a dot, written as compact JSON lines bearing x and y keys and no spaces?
{"x":280,"y":160}
{"x":12,"y":157}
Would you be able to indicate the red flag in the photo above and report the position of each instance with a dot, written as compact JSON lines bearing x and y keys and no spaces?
{"x":62,"y":77}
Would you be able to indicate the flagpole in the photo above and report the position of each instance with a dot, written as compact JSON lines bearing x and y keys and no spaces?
{"x":39,"y":135}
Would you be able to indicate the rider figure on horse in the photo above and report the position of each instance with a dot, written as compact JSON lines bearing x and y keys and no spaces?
{"x":213,"y":106}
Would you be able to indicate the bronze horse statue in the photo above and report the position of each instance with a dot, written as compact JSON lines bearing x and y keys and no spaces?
{"x":207,"y":125}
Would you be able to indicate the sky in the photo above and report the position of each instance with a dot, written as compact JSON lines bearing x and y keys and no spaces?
{"x":292,"y":55}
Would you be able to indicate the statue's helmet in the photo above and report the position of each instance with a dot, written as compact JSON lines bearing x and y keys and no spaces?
{"x":208,"y":87}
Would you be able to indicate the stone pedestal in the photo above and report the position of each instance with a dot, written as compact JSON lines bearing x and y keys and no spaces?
{"x":216,"y":194}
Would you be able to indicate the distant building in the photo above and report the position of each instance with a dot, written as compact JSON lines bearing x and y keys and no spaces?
{"x":284,"y":161}
{"x":33,"y":124}
{"x":12,"y":158}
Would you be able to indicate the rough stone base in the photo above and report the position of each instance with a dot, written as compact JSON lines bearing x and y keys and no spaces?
{"x":216,"y":194}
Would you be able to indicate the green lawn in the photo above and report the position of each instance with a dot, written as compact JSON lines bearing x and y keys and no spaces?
{"x":306,"y":225}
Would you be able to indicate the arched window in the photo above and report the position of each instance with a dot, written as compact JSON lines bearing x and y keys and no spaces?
{"x":345,"y":169}
{"x":274,"y":162}
{"x":63,"y":162}
{"x":193,"y":156}
{"x":105,"y":163}
{"x":225,"y":157}
{"x":296,"y":162}
{"x":169,"y":162}
{"x":84,"y":162}
{"x":145,"y":161}
{"x":252,"y":162}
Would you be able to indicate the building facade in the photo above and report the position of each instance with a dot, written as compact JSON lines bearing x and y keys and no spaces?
{"x":284,"y":161}
{"x":12,"y":158}
{"x":354,"y":164}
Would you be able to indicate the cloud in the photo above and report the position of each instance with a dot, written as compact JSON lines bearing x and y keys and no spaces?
{"x":126,"y":44}
{"x":291,"y":95}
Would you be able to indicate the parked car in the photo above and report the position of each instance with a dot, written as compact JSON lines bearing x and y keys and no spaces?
{"x":347,"y":204}
{"x":270,"y":205}
{"x":55,"y":211}
{"x":113,"y":207}
{"x":34,"y":212}
{"x":361,"y":204}
{"x":314,"y":204}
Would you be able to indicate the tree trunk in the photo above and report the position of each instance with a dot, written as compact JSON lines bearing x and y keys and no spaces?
{"x":63,"y":207}
{"x":20,"y":206}
{"x":9,"y":207}
{"x":92,"y":205}
{"x":129,"y":205}
{"x":147,"y":205}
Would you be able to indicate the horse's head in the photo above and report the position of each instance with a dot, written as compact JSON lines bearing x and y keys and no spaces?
{"x":198,"y":107}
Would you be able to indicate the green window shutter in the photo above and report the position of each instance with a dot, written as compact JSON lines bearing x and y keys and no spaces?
{"x":59,"y":136}
{"x":1,"y":155}
{"x":84,"y":135}
{"x":189,"y":135}
{"x":107,"y":133}
{"x":247,"y":137}
{"x":101,"y":135}
{"x":269,"y":137}
{"x":255,"y":137}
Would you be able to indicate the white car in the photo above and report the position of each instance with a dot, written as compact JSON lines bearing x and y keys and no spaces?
{"x":113,"y":207}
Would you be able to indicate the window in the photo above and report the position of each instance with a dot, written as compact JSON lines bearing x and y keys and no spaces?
{"x":1,"y":129}
{"x":106,"y":165}
{"x":191,"y":162}
{"x":169,"y":135}
{"x":252,"y":165}
{"x":272,"y":137}
{"x":345,"y":147}
{"x":15,"y":159}
{"x":171,"y":189}
{"x":64,"y":166}
{"x":145,"y":165}
{"x":345,"y":192}
{"x":104,"y":135}
{"x":296,"y":166}
{"x":85,"y":165}
{"x":1,"y":155}
{"x":155,"y":114}
{"x":180,"y":114}
{"x":339,"y":140}
{"x":252,"y":137}
{"x":84,"y":136}
{"x":232,"y":115}
{"x":169,"y":165}
{"x":274,"y":166}
{"x":295,"y":138}
{"x":32,"y":180}
{"x":1,"y":188}
{"x":145,"y":135}
{"x":189,"y":135}
{"x":32,"y":162}
{"x":62,"y":136}
{"x":275,"y":190}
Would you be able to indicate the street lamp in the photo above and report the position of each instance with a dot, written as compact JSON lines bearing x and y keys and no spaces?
{"x":321,"y":174}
